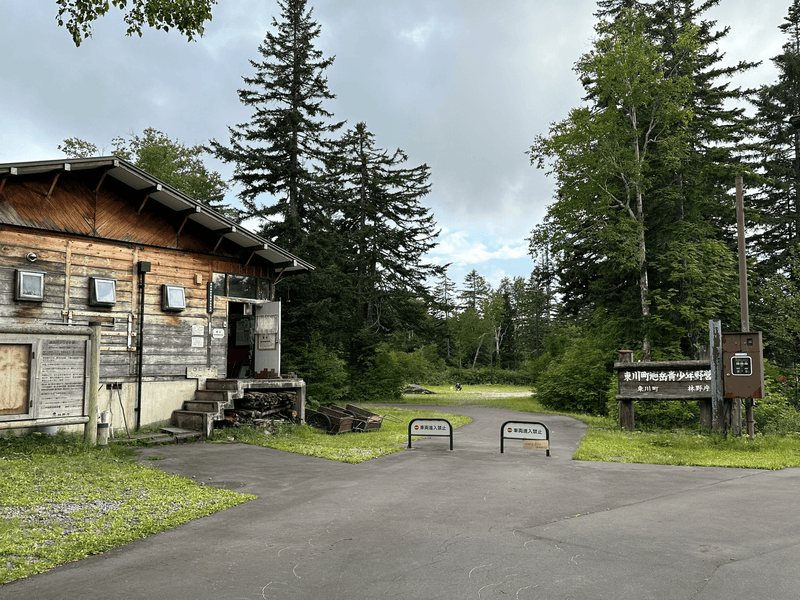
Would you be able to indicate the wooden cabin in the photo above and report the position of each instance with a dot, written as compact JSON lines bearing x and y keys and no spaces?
{"x":185,"y":296}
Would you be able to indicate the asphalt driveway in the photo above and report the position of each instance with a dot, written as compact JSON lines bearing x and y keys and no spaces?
{"x":429,"y":523}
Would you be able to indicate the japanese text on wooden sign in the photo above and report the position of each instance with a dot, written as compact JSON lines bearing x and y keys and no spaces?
{"x":663,"y":381}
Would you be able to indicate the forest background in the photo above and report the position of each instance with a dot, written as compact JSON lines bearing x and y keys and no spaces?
{"x":637,"y":249}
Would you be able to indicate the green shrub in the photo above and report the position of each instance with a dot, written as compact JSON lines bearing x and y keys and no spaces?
{"x":776,"y":412}
{"x":579,"y":380}
{"x":323,"y":371}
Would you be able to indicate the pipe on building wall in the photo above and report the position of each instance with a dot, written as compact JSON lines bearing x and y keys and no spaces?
{"x":143,"y":268}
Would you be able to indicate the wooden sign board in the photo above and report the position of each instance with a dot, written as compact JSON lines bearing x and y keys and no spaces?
{"x":44,"y":377}
{"x":664,"y":380}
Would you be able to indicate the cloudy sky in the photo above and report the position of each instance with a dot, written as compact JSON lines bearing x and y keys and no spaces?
{"x":462,"y":85}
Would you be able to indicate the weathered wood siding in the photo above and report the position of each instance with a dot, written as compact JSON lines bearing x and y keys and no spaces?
{"x":69,"y":263}
{"x":96,"y":226}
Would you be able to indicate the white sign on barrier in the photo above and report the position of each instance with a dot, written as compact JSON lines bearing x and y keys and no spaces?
{"x":430,"y":427}
{"x":524,"y":431}
{"x":534,"y":436}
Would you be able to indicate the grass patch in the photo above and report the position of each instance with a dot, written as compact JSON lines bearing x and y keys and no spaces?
{"x":61,"y":501}
{"x":491,"y":396}
{"x":351,"y":447}
{"x":610,"y":444}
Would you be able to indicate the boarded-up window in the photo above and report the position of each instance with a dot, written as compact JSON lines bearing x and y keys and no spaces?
{"x":15,"y":376}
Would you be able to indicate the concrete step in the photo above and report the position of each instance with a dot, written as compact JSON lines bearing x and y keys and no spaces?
{"x":182,"y":435}
{"x":215,"y":395}
{"x":222,"y":384}
{"x":168,"y":435}
{"x":195,"y":420}
{"x":209,"y":406}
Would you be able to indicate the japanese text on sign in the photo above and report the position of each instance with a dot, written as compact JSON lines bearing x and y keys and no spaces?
{"x":431,"y":427}
{"x":666,"y":376}
{"x":525,"y":431}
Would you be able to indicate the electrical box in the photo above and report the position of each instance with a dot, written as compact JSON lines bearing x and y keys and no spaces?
{"x":743,"y":365}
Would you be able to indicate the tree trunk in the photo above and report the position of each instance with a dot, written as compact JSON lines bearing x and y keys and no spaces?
{"x":644,"y":284}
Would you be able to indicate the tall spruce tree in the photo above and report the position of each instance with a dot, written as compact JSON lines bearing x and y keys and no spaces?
{"x":777,"y":239}
{"x":694,"y":230}
{"x":384,"y":226}
{"x":276,"y":153}
{"x":475,"y":291}
{"x":443,"y":307}
{"x":779,"y":200}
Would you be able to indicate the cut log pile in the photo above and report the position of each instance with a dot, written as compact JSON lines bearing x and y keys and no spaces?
{"x":261,"y":408}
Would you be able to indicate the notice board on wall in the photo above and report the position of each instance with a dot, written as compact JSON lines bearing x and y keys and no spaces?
{"x":43,"y":376}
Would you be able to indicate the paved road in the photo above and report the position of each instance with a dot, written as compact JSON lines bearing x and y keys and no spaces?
{"x":428,"y":523}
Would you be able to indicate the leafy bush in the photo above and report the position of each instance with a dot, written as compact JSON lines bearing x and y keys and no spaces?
{"x":323,"y":371}
{"x":579,"y":379}
{"x":776,"y":412}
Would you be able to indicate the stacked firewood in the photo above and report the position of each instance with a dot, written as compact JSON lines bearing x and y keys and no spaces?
{"x":260,"y":408}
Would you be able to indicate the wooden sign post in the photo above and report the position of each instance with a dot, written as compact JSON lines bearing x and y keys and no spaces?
{"x":659,"y":380}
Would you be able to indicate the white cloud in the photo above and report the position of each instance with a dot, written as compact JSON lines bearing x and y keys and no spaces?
{"x":419,"y":35}
{"x":461,"y":249}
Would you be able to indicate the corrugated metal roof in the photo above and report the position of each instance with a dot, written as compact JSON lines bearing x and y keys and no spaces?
{"x":171,"y":199}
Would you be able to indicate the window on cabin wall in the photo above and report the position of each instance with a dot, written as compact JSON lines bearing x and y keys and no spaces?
{"x":220,"y":281}
{"x":243,"y":286}
{"x":102,"y":292}
{"x":173,"y":298}
{"x":29,"y":286}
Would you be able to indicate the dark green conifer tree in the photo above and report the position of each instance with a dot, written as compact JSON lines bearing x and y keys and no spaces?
{"x":276,"y":153}
{"x":385,"y":228}
{"x":777,"y":238}
{"x":779,"y":200}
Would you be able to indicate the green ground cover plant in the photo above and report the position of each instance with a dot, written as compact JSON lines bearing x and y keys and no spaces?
{"x":351,"y":447}
{"x":61,"y":501}
{"x":689,"y":448}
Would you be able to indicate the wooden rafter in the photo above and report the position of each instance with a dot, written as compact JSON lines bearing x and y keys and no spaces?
{"x":99,"y":183}
{"x":55,"y":180}
{"x":251,"y":252}
{"x":222,"y":233}
{"x":11,"y":172}
{"x":186,"y":214}
{"x":148,"y":191}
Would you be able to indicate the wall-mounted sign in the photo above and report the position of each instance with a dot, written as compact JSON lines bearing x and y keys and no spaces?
{"x":218,"y":333}
{"x":44,"y":377}
{"x":198,"y":330}
{"x":210,"y":297}
{"x":63,"y":369}
{"x":198,"y":342}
